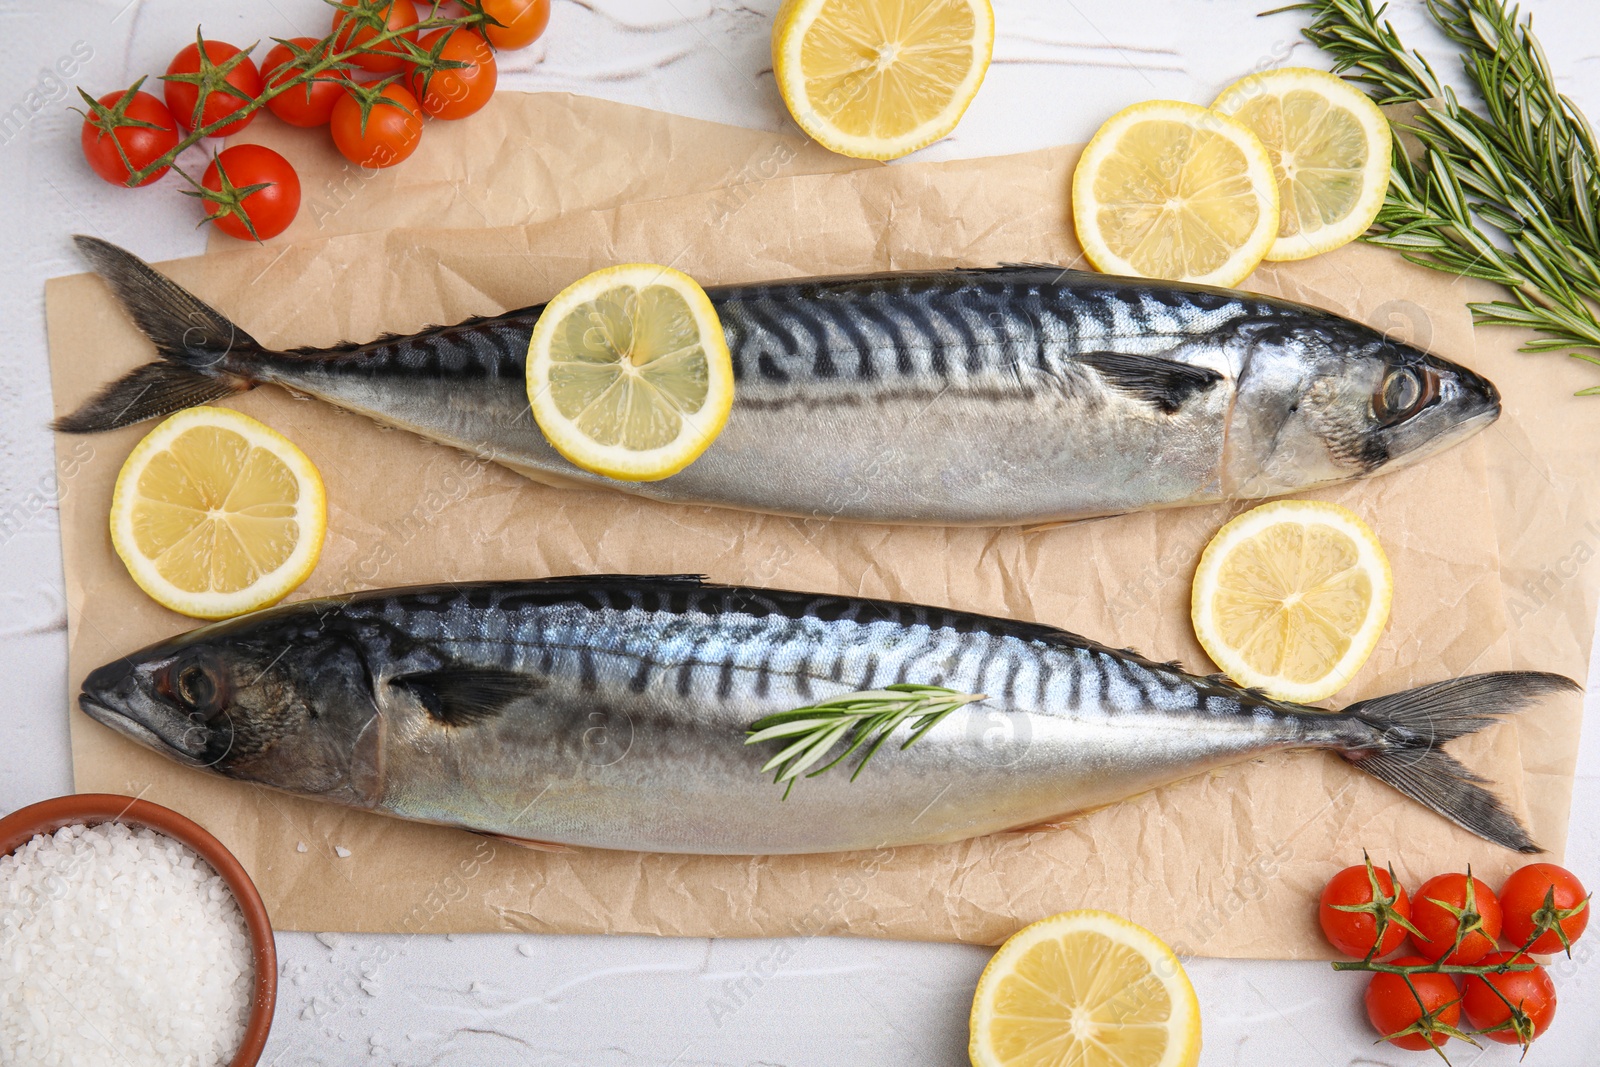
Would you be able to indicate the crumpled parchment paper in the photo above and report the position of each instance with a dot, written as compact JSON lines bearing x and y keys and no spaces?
{"x":1490,"y":545}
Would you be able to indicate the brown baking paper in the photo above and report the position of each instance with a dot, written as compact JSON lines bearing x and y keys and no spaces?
{"x":549,"y":154}
{"x":1189,"y":860}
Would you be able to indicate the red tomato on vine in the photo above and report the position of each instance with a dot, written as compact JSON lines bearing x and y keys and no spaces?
{"x":1453,"y":902}
{"x":1355,"y":903}
{"x":364,"y":20}
{"x":1512,"y":1008}
{"x":1411,"y":1020}
{"x":228,"y":77}
{"x":520,"y":21}
{"x":377,"y":127}
{"x":309,"y":104}
{"x":126,"y":132}
{"x":1546,"y":900}
{"x":454,"y":92}
{"x":258,"y":192}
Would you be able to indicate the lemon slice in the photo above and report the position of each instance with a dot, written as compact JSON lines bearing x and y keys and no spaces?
{"x":1330,"y":149}
{"x":628,"y":372}
{"x":215,"y":514}
{"x":1176,"y":191}
{"x":876,"y":79}
{"x":1291,"y":597}
{"x":1085,"y":988}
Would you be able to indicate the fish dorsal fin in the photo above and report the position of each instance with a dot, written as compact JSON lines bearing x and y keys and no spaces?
{"x":1067,"y":639}
{"x":1054,"y":635}
{"x":463,"y":695}
{"x":1239,"y":692}
{"x":1166,"y":383}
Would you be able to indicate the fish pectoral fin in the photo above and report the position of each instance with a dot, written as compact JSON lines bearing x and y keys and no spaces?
{"x":460,"y":696}
{"x":526,"y":842}
{"x":1166,"y":383}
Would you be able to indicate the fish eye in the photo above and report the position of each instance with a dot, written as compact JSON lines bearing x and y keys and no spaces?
{"x":1405,"y":390}
{"x":195,"y":686}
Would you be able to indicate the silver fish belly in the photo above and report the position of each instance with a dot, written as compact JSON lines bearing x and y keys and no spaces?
{"x":957,"y":397}
{"x":613,"y":713}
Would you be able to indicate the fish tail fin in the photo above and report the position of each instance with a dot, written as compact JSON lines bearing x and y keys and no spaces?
{"x":195,"y":342}
{"x":1414,"y":724}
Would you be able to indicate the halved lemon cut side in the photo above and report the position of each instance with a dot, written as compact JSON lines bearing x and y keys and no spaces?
{"x":1086,"y":988}
{"x":1292,"y":597}
{"x":629,"y":375}
{"x":1171,"y":190}
{"x":876,"y":79}
{"x":215,"y":514}
{"x":1330,"y":149}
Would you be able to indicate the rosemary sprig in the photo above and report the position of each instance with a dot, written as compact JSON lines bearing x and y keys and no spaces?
{"x":861,"y":719}
{"x":1509,"y":195}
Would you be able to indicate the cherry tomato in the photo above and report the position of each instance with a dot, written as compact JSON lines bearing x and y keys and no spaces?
{"x":143,"y":144}
{"x":391,"y":133}
{"x":455,"y":92}
{"x":521,"y":21}
{"x":271,"y":209}
{"x":1392,"y":1007}
{"x":1355,"y":932}
{"x":356,"y":27}
{"x":1438,"y":908}
{"x":1523,"y":899}
{"x":232,"y":91}
{"x":1531,"y":991}
{"x":310,"y":104}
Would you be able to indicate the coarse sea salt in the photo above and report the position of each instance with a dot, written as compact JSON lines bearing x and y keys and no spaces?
{"x":120,"y":946}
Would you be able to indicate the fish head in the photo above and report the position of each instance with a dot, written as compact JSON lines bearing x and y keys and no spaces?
{"x":1325,"y":401}
{"x":266,"y":698}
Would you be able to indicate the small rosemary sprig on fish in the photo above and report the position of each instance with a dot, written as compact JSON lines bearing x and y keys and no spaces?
{"x":1509,"y":195}
{"x":862,"y":719}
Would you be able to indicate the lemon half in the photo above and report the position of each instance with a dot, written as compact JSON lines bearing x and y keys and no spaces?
{"x":1330,"y":149}
{"x":1172,"y":190}
{"x":1292,"y":597}
{"x":215,"y":514}
{"x":876,"y":79}
{"x":1086,"y":988}
{"x":629,"y":375}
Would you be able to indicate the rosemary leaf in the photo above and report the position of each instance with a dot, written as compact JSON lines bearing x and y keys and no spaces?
{"x":1510,"y":194}
{"x":864,"y":721}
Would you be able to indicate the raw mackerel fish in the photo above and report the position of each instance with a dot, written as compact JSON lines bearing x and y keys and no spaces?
{"x":1016,"y":395}
{"x":612,"y":712}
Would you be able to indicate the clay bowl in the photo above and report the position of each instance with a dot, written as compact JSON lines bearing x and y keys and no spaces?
{"x":48,"y":816}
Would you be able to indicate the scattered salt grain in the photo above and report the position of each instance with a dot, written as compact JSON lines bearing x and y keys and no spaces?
{"x":119,"y":945}
{"x":301,"y":847}
{"x":342,"y":852}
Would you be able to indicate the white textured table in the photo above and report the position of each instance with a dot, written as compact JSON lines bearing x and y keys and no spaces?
{"x":1061,"y":66}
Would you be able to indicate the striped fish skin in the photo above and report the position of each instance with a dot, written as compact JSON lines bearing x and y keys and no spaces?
{"x":1007,"y":396}
{"x":611,"y":713}
{"x":963,"y":398}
